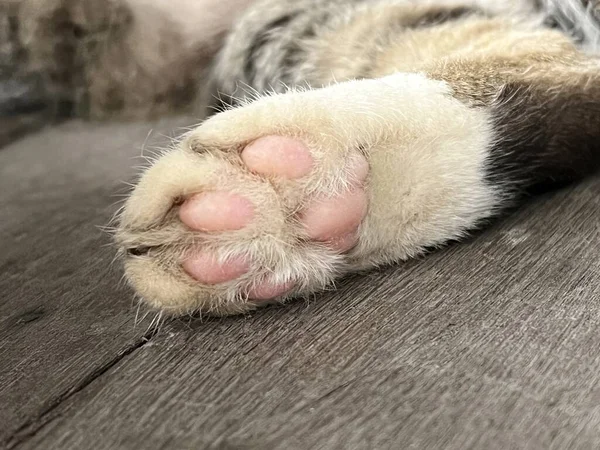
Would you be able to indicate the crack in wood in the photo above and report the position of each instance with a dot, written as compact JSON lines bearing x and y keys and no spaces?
{"x":32,"y":426}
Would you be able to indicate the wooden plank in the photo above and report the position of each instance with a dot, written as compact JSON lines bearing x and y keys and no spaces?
{"x":494,"y":343}
{"x":63,"y":316}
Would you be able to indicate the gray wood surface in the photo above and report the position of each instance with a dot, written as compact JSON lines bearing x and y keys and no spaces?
{"x":489,"y":344}
{"x":63,"y":316}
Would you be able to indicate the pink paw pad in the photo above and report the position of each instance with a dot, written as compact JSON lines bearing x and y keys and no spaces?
{"x":267,"y":291}
{"x":206,"y":269}
{"x":277,"y":155}
{"x":216,"y":211}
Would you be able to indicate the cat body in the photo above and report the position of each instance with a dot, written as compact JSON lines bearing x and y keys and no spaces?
{"x":356,"y":134}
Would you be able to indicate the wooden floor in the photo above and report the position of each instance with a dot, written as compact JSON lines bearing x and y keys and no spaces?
{"x":489,"y":344}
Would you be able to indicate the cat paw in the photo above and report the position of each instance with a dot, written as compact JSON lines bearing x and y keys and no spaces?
{"x":280,"y":197}
{"x":223,"y":226}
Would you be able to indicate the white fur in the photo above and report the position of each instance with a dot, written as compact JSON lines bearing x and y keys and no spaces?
{"x":577,"y":19}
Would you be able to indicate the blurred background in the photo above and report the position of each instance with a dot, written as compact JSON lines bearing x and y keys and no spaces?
{"x":99,"y":59}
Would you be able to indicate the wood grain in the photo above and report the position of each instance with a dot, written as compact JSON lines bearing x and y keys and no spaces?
{"x":64,"y":318}
{"x":493,"y":343}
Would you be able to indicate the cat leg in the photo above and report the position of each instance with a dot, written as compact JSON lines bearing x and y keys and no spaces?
{"x":544,"y":106}
{"x":282,"y":196}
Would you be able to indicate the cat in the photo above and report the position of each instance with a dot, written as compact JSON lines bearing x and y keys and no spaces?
{"x":355,"y":134}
